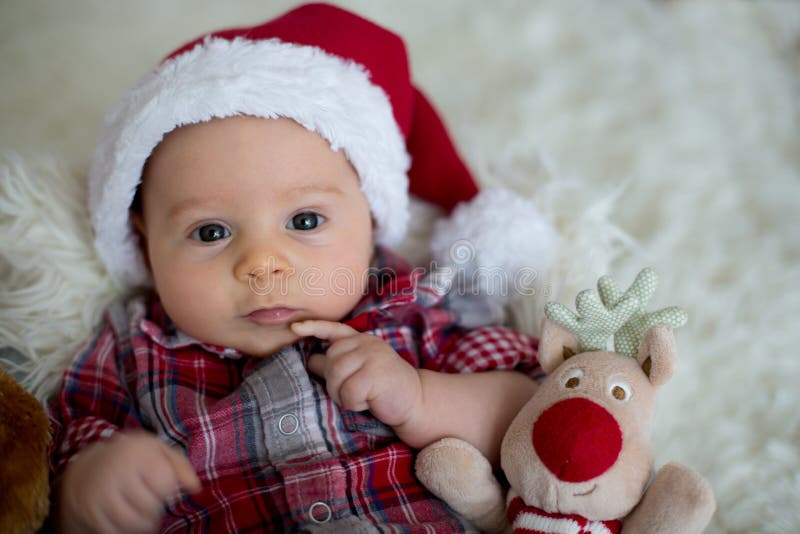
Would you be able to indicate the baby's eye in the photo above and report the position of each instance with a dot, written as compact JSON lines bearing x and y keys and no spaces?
{"x":210,"y":232}
{"x":308,"y":220}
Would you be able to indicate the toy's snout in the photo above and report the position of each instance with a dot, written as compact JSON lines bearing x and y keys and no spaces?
{"x":577,"y":439}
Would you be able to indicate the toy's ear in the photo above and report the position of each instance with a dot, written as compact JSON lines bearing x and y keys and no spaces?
{"x":658,"y":354}
{"x":556,"y":344}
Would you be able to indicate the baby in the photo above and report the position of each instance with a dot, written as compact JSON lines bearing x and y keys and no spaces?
{"x":285,"y":364}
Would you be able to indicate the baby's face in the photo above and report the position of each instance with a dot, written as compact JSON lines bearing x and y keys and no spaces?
{"x":249,"y":225}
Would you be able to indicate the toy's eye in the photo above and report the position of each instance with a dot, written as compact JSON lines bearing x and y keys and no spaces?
{"x":572,"y":379}
{"x":620,"y":390}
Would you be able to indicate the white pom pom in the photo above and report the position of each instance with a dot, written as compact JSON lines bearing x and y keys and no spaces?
{"x":499,"y":243}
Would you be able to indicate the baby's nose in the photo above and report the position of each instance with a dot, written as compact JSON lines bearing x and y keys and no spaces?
{"x":260,"y":262}
{"x":266,"y":277}
{"x":577,"y":439}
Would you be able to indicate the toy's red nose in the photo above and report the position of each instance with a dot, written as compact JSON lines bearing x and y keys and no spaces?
{"x":577,"y":439}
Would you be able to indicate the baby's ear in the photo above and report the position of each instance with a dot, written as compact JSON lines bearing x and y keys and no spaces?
{"x":138,"y":223}
{"x":140,"y":234}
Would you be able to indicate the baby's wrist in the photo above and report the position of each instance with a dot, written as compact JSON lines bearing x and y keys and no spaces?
{"x":412,"y":428}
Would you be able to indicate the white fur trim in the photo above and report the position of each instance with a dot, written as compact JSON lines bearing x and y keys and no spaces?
{"x":222,"y":78}
{"x":501,"y":243}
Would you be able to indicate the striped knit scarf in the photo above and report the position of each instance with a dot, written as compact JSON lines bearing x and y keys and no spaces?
{"x":532,"y":520}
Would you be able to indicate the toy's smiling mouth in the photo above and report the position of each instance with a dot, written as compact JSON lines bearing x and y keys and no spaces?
{"x":584,"y":494}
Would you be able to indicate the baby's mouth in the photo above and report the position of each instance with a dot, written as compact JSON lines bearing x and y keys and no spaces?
{"x":276,"y":315}
{"x":584,"y":494}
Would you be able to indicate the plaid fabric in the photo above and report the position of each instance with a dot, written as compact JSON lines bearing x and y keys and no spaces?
{"x":273,"y":451}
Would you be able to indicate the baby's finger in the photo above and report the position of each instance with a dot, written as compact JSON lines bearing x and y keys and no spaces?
{"x":142,"y":500}
{"x":345,"y":345}
{"x":317,"y":364}
{"x":184,"y":472}
{"x":342,"y":375}
{"x":103,"y":523}
{"x":354,"y":392}
{"x":329,"y":330}
{"x":123,"y":518}
{"x":339,"y":371}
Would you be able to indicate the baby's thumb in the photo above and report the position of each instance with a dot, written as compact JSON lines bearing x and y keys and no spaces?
{"x":184,"y":472}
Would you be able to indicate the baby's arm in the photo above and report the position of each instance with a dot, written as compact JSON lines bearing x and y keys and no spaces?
{"x":109,"y":473}
{"x":364,"y":372}
{"x":121,"y":485}
{"x":475,"y":407}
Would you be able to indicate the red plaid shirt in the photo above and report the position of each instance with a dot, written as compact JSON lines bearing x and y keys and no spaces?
{"x":272,"y":450}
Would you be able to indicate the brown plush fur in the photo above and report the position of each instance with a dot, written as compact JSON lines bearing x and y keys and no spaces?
{"x":24,"y":438}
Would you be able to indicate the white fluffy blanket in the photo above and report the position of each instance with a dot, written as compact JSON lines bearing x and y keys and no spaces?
{"x":652,"y":133}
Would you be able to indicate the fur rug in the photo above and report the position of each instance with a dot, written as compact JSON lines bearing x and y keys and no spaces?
{"x":651,"y":133}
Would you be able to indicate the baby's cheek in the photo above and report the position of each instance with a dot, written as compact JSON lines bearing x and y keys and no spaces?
{"x":184,"y":295}
{"x":344,"y":293}
{"x":334,"y":308}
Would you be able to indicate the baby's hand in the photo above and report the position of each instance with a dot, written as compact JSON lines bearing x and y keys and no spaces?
{"x":363,"y":372}
{"x":122,"y":484}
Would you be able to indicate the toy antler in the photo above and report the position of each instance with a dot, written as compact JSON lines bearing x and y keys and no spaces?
{"x":609,"y":312}
{"x":596,"y":321}
{"x":627,"y":338}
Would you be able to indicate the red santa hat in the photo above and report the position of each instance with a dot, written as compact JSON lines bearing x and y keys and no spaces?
{"x":340,"y":76}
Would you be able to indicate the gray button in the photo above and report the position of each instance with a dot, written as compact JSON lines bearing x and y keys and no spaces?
{"x":319,"y":512}
{"x":288,"y":424}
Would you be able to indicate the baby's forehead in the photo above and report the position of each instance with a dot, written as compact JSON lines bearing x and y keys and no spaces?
{"x":241,"y":131}
{"x":285,"y":155}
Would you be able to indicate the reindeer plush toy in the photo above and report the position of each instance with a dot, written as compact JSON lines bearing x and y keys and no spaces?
{"x":578,"y":456}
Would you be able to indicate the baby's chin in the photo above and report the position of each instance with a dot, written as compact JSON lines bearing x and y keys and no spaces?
{"x":267,"y":345}
{"x":254,"y":341}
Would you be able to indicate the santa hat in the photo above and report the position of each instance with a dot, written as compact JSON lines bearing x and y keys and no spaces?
{"x":340,"y":76}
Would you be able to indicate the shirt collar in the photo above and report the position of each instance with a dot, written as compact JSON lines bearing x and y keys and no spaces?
{"x":395,"y":282}
{"x":166,"y":334}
